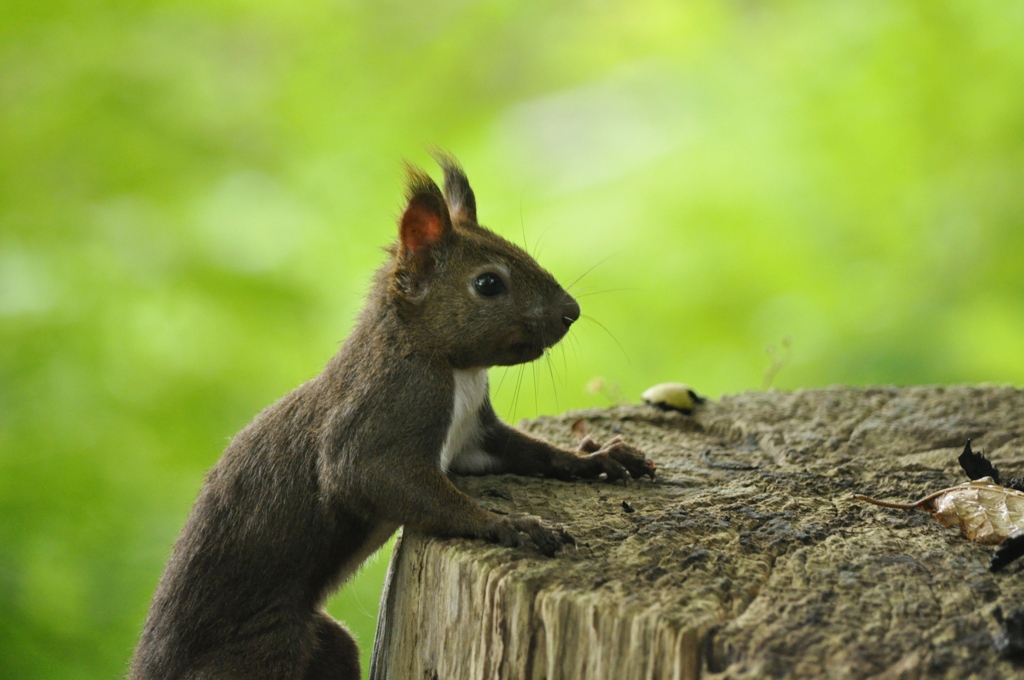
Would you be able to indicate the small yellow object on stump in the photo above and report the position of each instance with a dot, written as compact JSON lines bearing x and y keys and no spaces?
{"x":672,"y":396}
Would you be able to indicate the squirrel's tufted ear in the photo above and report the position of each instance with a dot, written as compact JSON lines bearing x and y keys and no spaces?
{"x":461,"y":201}
{"x":425,"y":222}
{"x":425,"y":225}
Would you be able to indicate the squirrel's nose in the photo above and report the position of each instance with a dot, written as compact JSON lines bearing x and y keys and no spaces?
{"x":570,"y":312}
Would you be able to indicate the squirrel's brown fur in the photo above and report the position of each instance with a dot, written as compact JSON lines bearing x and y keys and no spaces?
{"x":320,"y":479}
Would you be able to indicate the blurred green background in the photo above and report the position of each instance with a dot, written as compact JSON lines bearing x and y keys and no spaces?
{"x":193,"y":196}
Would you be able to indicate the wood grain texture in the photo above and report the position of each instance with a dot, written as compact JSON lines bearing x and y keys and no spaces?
{"x":746,"y":558}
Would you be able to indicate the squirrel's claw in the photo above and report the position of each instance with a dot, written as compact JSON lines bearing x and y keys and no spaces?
{"x":617,"y":460}
{"x":549,"y":538}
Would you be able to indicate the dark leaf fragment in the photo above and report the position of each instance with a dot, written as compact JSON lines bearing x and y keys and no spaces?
{"x":976,"y":466}
{"x":1010,"y":549}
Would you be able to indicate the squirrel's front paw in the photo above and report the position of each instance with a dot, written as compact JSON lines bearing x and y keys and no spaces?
{"x":616,"y":460}
{"x":549,"y":538}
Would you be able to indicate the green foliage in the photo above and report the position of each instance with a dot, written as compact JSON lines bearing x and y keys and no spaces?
{"x":193,"y":196}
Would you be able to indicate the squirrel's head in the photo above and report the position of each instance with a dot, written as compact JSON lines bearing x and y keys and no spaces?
{"x":481,"y":300}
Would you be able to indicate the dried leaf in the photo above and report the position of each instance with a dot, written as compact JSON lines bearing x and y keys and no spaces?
{"x":984,"y":511}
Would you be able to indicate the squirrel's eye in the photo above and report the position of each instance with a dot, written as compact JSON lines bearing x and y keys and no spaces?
{"x":489,"y":284}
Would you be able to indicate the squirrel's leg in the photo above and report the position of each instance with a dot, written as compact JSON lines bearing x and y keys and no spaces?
{"x":506,"y":449}
{"x":337,"y":655}
{"x":426,"y":500}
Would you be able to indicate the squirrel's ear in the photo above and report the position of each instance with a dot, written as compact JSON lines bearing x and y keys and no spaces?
{"x":425,"y":222}
{"x":461,"y":201}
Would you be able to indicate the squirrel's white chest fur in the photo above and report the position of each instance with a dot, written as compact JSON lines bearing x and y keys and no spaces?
{"x":464,"y":431}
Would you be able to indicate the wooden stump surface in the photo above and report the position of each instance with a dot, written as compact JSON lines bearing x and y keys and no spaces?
{"x":746,"y":558}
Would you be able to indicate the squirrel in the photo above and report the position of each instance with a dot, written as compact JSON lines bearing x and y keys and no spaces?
{"x":323,"y":477}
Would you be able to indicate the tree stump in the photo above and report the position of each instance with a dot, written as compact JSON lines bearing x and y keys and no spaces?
{"x":746,"y":558}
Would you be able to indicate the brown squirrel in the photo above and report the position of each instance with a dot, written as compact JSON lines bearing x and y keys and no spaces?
{"x":321,"y":479}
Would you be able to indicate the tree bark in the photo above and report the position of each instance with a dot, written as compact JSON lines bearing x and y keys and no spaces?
{"x":747,"y":557}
